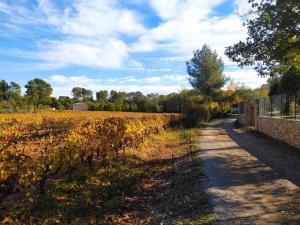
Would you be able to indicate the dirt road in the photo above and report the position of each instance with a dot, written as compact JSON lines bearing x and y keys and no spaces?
{"x":251,"y":180}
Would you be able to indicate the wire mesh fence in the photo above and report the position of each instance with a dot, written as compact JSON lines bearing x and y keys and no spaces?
{"x":280,"y":106}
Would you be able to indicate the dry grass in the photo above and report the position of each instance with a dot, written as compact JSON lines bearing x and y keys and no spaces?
{"x":162,"y":146}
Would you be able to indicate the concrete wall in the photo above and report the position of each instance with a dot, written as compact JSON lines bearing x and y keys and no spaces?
{"x":286,"y":130}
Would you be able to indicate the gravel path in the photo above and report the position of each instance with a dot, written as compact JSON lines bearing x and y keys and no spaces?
{"x":251,"y":180}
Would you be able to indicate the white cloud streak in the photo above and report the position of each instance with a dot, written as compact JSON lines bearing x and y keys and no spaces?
{"x":152,"y":84}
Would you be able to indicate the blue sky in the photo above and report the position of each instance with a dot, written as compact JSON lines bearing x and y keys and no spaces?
{"x":116,"y":44}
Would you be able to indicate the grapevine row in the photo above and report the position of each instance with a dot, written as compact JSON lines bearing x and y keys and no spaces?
{"x":33,"y":150}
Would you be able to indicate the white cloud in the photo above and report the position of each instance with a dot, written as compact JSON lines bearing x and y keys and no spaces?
{"x":247,"y":77}
{"x":159,"y":70}
{"x":188,"y":10}
{"x":75,"y":80}
{"x":153,"y":84}
{"x":109,"y":54}
{"x":175,"y":78}
{"x":90,"y":32}
{"x":94,"y":27}
{"x":187,"y":25}
{"x":153,"y":79}
{"x":146,"y":89}
{"x":100,"y":18}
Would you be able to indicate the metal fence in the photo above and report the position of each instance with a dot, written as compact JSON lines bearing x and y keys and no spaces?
{"x":280,"y":106}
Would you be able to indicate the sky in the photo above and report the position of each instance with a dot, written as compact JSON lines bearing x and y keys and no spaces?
{"x":136,"y":45}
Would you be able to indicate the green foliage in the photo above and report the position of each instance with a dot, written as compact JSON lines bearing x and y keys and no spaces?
{"x":56,"y":104}
{"x":66,"y":101}
{"x":4,"y":90}
{"x":195,"y":108}
{"x":275,"y":87}
{"x":290,"y":81}
{"x":7,"y":91}
{"x":117,"y":97}
{"x":102,"y":95}
{"x":82,"y":94}
{"x":11,"y":99}
{"x":206,"y":71}
{"x":38,"y":92}
{"x":247,"y":94}
{"x":273,"y":42}
{"x":38,"y":97}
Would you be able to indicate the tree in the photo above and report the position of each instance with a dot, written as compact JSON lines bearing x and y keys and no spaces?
{"x":4,"y":90}
{"x":273,"y":42}
{"x":66,"y":101}
{"x":151,"y":105}
{"x":82,"y":94}
{"x":15,"y":89}
{"x":102,"y":95}
{"x":290,"y":82}
{"x":117,"y":97}
{"x":173,"y":102}
{"x":195,"y":107}
{"x":274,"y":84}
{"x":56,"y":104}
{"x":38,"y":92}
{"x":77,"y":93}
{"x":206,"y":71}
{"x":264,"y":91}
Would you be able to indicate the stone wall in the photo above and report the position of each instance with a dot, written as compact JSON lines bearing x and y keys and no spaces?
{"x":242,"y":119}
{"x":245,"y":117}
{"x":286,"y":130}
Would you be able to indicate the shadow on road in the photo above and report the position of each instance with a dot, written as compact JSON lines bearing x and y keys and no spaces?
{"x":283,"y":159}
{"x":249,"y":177}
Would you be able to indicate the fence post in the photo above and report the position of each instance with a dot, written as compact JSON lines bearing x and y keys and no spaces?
{"x":281,"y":111}
{"x":173,"y":171}
{"x":271,"y":100}
{"x":264,"y":106}
{"x":295,"y":107}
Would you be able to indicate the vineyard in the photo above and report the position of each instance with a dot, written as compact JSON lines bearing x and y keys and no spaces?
{"x":37,"y":147}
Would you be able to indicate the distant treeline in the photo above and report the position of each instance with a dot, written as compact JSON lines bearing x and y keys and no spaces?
{"x":38,"y":96}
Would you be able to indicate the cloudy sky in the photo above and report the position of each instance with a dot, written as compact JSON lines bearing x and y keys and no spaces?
{"x":116,"y":44}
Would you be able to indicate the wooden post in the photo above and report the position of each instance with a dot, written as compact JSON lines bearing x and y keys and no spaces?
{"x":295,"y":106}
{"x":264,"y":106}
{"x":281,"y":111}
{"x":271,"y":106}
{"x":173,"y":163}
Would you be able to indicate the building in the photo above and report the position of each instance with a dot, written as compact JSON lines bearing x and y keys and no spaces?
{"x":80,"y":107}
